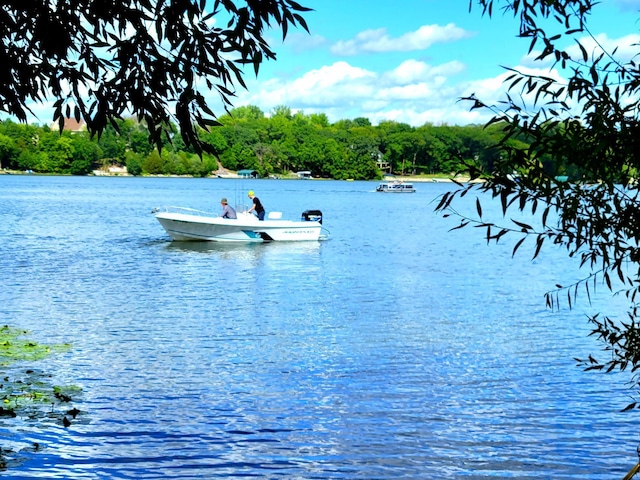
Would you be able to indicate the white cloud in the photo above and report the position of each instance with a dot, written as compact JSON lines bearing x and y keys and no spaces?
{"x":413,"y":92}
{"x":436,"y":116}
{"x":331,"y":76}
{"x":377,"y":41}
{"x":413,"y":70}
{"x":324,"y":86}
{"x":302,"y":41}
{"x":628,"y":5}
{"x":486,"y":88}
{"x":491,"y":91}
{"x":627,"y":48}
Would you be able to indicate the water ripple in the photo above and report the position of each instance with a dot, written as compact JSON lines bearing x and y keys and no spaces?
{"x":393,"y":350}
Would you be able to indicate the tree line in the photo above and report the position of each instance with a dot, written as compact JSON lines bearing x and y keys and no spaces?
{"x":246,"y":138}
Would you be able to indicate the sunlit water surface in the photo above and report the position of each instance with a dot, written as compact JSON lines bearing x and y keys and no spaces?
{"x":396,"y":349}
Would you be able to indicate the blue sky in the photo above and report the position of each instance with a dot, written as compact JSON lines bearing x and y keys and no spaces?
{"x":405,"y":60}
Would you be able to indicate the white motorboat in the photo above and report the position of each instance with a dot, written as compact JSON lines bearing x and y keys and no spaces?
{"x":187,"y":225}
{"x":396,"y":187}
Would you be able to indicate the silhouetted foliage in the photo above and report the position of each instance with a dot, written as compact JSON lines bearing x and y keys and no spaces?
{"x":104,"y":59}
{"x":574,"y":164}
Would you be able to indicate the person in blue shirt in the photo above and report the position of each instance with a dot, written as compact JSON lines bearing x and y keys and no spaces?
{"x":227,"y":211}
{"x":257,"y":206}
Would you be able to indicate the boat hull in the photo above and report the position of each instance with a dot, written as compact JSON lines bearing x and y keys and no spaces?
{"x":248,"y":229}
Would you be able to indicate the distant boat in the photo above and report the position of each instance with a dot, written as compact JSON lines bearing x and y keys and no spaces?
{"x":395,"y":187}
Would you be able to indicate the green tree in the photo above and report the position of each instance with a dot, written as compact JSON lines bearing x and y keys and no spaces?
{"x":216,"y":139}
{"x":86,"y":154}
{"x":162,"y":57}
{"x":281,"y":111}
{"x":334,"y":158}
{"x":25,"y":139}
{"x":283,"y":143}
{"x":361,"y":122}
{"x":242,"y":136}
{"x":588,"y":123}
{"x":113,"y":144}
{"x":247,"y":113}
{"x":362,"y":152}
{"x":319,"y":119}
{"x":133,"y":161}
{"x":58,"y":152}
{"x":401,"y":150}
{"x":153,"y":163}
{"x":139,"y":142}
{"x":8,"y":151}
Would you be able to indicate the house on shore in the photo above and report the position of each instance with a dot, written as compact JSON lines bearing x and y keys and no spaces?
{"x":70,"y":125}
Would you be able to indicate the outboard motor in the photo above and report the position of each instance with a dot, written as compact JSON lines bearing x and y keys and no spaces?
{"x":312,"y":216}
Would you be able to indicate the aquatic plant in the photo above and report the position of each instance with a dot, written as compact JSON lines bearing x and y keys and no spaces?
{"x":28,"y":393}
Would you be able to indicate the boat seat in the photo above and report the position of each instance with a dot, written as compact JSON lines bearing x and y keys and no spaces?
{"x":274,"y":215}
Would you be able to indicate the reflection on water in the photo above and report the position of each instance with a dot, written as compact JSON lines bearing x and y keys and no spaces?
{"x":243,"y":249}
{"x":394,"y":350}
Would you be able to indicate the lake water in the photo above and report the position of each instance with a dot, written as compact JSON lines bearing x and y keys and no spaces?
{"x":396,"y":349}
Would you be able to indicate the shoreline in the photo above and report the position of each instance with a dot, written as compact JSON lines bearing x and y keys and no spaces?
{"x":231,"y":176}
